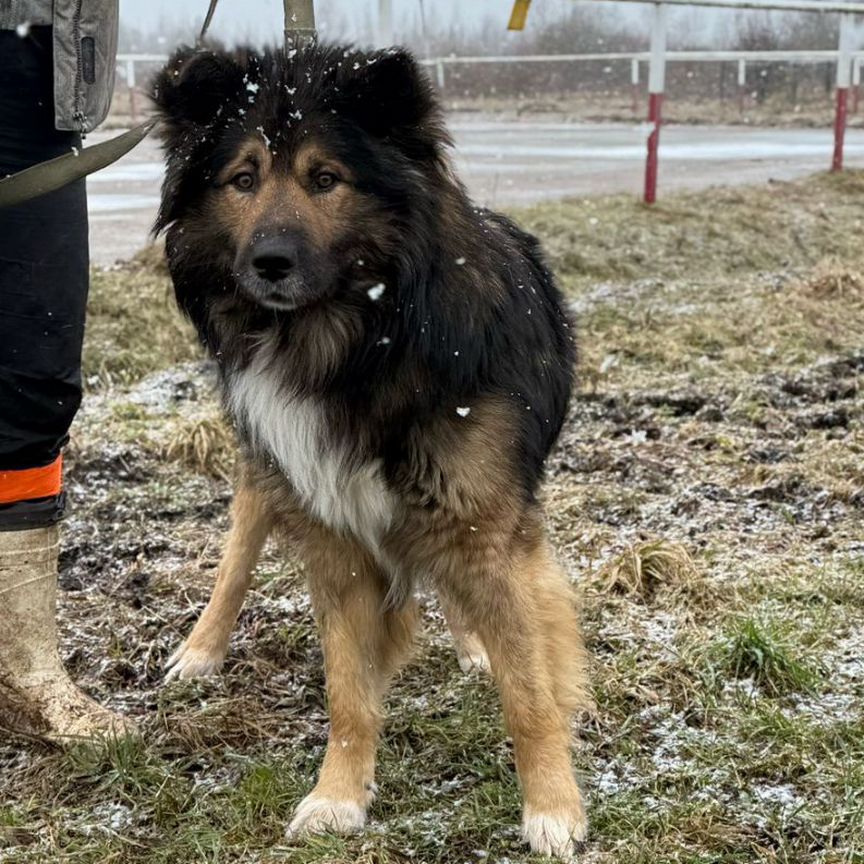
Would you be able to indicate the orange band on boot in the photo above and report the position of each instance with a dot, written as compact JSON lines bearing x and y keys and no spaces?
{"x":31,"y":483}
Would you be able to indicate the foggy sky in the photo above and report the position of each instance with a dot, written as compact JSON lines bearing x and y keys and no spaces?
{"x":260,"y":21}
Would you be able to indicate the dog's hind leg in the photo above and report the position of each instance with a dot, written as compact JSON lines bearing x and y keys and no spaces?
{"x":364,"y":643}
{"x":203,"y":652}
{"x":469,"y":649}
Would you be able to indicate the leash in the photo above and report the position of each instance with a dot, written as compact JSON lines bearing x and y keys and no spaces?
{"x":299,"y":24}
{"x":55,"y":173}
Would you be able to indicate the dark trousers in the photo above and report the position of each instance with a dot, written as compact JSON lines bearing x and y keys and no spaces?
{"x":44,"y":262}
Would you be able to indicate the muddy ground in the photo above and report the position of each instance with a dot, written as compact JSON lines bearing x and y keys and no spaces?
{"x":706,"y":496}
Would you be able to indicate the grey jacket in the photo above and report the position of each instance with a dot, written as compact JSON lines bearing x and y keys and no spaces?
{"x":85,"y":51}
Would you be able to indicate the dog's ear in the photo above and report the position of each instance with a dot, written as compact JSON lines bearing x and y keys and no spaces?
{"x":194,"y":84}
{"x":388,"y":94}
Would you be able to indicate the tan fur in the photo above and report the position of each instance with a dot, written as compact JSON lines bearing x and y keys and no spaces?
{"x":363,"y":647}
{"x":283,"y":197}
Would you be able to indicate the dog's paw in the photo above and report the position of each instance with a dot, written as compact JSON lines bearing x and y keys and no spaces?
{"x":316,"y":815}
{"x":472,"y":655}
{"x":555,"y":834}
{"x":187,"y":662}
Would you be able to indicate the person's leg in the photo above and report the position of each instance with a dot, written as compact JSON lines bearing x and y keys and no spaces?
{"x":43,"y":293}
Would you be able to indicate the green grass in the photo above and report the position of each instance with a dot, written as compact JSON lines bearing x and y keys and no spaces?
{"x":763,"y":653}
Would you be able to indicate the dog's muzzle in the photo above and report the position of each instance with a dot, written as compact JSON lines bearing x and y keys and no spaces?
{"x":270,"y":272}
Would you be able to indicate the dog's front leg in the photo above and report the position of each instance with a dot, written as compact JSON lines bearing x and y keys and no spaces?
{"x":516,"y":598}
{"x":363,"y":645}
{"x":203,"y":652}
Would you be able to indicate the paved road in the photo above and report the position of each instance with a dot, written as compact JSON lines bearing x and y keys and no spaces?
{"x":513,"y":163}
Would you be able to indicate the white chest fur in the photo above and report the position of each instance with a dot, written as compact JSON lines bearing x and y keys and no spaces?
{"x":348,"y":496}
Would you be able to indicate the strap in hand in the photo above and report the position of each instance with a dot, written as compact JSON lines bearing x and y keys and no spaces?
{"x":48,"y":176}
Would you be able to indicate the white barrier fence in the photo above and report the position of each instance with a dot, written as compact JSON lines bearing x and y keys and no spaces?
{"x":126,"y":63}
{"x":848,"y":64}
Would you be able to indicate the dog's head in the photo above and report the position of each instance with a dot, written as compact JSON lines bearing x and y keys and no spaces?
{"x":296,"y":175}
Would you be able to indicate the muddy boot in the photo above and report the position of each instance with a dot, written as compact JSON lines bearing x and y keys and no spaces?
{"x":37,"y":697}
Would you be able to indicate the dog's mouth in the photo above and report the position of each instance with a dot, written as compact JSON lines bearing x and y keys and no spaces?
{"x":283,"y":295}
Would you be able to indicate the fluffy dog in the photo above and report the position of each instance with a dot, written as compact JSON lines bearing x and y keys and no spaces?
{"x":397,"y":364}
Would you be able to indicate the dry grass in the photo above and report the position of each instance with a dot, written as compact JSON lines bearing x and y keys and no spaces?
{"x":644,"y":568}
{"x":133,"y":327}
{"x":206,"y":445}
{"x":834,"y":280}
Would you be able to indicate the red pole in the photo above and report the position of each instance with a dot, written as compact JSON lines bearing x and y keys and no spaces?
{"x":844,"y":82}
{"x":655,"y":105}
{"x":840,"y":127}
{"x":656,"y":88}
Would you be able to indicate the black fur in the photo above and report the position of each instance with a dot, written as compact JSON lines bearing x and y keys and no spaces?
{"x":470,"y":310}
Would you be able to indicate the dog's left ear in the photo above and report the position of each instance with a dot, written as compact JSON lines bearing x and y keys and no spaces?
{"x":389,"y":96}
{"x":194,"y":85}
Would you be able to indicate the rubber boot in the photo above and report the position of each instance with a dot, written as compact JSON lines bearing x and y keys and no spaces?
{"x":37,"y":697}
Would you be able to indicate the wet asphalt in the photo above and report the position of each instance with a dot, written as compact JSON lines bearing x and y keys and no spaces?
{"x":512,"y":163}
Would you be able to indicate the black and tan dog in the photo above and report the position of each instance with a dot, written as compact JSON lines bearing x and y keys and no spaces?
{"x":397,"y":364}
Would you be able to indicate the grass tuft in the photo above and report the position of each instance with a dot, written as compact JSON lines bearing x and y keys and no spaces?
{"x":763,"y":652}
{"x":645,"y":567}
{"x":205,"y":445}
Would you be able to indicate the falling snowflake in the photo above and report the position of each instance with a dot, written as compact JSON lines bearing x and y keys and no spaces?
{"x":376,"y":291}
{"x":463,"y":412}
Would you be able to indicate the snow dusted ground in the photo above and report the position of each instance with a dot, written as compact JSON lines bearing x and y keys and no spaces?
{"x":719,"y":411}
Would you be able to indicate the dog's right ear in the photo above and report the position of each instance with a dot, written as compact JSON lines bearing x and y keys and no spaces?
{"x":194,"y":85}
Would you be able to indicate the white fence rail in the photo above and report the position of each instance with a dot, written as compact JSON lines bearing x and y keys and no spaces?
{"x":847,"y":60}
{"x":127,"y":62}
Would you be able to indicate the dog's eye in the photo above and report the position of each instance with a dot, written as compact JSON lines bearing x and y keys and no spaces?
{"x":325,"y":180}
{"x":244,"y":181}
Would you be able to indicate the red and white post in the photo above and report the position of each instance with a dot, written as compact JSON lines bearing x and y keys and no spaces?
{"x":856,"y":84}
{"x":844,"y":81}
{"x":656,"y":86}
{"x":742,"y":84}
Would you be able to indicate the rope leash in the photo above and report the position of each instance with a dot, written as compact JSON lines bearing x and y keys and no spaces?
{"x":55,"y":173}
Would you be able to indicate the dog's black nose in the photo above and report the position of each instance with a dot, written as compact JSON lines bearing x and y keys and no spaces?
{"x":274,"y":258}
